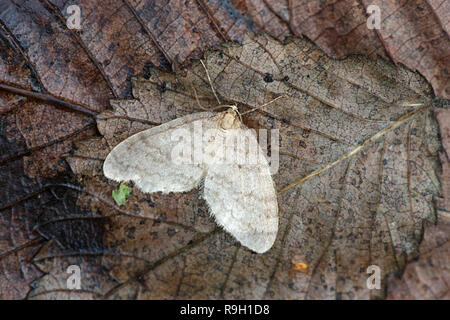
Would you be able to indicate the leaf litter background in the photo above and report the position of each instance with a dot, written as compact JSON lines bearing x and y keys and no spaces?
{"x":368,"y":209}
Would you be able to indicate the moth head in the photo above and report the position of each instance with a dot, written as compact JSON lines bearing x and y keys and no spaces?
{"x":230,"y":119}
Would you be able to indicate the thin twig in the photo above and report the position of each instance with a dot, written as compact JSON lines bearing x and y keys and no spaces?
{"x":210,"y":82}
{"x":198,"y":101}
{"x":263,"y":105}
{"x":49,"y":99}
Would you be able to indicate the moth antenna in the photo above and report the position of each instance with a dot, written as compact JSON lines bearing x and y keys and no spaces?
{"x":210,"y":82}
{"x":234,"y":107}
{"x":198,"y":101}
{"x":263,"y":105}
{"x":237,"y":111}
{"x":221,"y":106}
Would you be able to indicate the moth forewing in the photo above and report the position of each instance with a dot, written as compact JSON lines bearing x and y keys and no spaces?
{"x":182,"y":152}
{"x":145,"y":158}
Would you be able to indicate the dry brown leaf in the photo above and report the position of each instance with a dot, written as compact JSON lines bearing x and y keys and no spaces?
{"x":33,"y":135}
{"x":414,"y":33}
{"x":38,"y":53}
{"x":51,"y":68}
{"x":46,"y":59}
{"x":120,"y":39}
{"x":443,"y":203}
{"x":427,"y":277}
{"x":359,"y":135}
{"x":18,"y":245}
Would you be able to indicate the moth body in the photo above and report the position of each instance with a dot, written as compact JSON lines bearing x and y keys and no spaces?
{"x":240,"y":194}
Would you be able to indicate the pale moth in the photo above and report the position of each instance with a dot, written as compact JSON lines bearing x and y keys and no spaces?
{"x":240,"y":195}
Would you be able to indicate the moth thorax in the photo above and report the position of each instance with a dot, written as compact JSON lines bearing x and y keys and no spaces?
{"x":229,"y":120}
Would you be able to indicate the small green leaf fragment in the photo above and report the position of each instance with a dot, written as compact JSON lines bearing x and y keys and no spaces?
{"x":121,"y":194}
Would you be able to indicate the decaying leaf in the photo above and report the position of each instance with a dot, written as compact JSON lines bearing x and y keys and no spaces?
{"x":426,"y":277}
{"x":357,"y":176}
{"x":414,"y":33}
{"x":18,"y":245}
{"x":20,"y":202}
{"x":40,"y":55}
{"x":443,"y":203}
